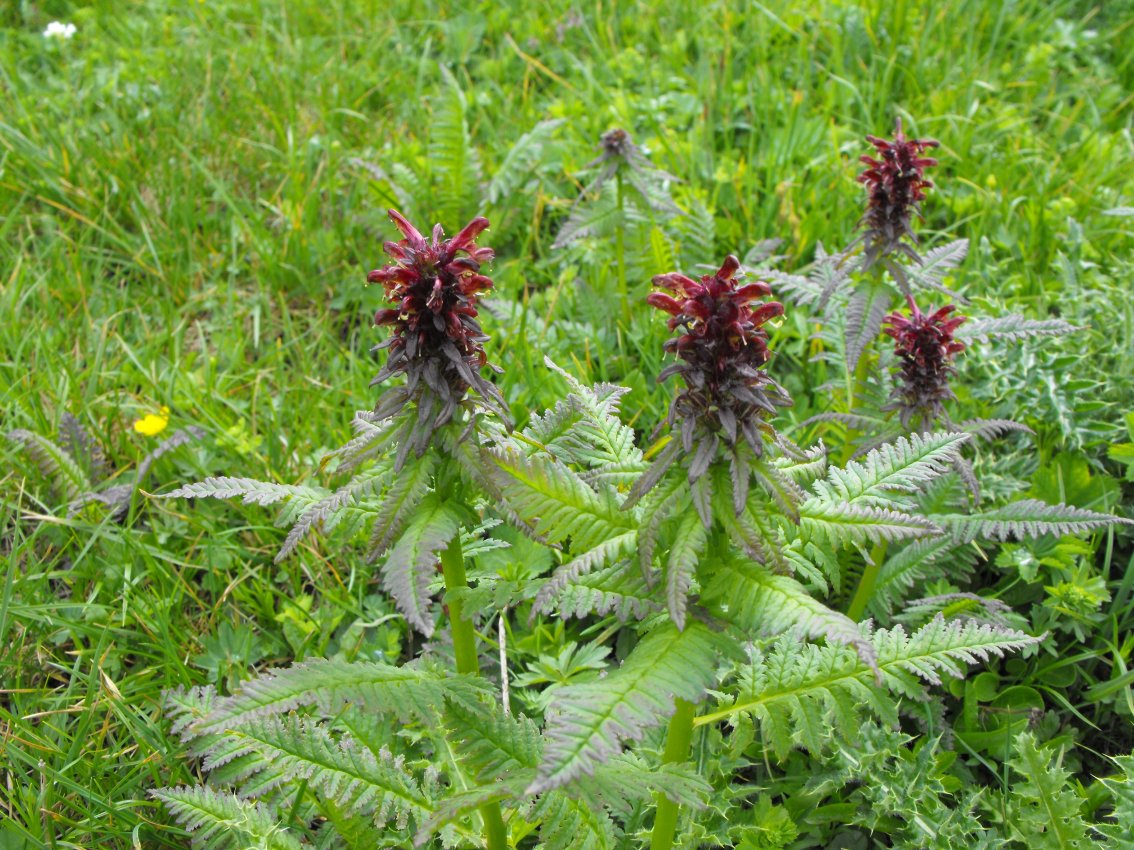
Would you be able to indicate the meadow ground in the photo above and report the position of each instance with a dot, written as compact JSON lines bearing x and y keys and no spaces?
{"x":191,"y":194}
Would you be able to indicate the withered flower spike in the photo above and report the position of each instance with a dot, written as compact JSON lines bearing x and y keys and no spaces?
{"x":896,"y":185}
{"x":435,"y":340}
{"x":925,"y":347}
{"x":722,"y":349}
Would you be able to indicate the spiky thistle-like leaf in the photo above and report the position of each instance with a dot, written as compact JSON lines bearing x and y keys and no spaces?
{"x":222,"y":821}
{"x":592,"y":720}
{"x":1045,"y":812}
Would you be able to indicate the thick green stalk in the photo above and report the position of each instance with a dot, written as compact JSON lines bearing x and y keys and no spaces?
{"x":464,"y":648}
{"x":620,"y":247}
{"x":856,"y":390}
{"x":678,"y":738}
{"x":865,"y":588}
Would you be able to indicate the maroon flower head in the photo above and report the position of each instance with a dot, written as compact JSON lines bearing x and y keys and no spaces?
{"x":896,"y":183}
{"x":722,"y":350}
{"x":925,"y":347}
{"x":435,"y":339}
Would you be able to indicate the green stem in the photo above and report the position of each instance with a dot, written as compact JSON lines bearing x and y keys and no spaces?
{"x":855,"y":391}
{"x":464,"y":648}
{"x":865,"y":589}
{"x":678,"y":738}
{"x":620,"y":247}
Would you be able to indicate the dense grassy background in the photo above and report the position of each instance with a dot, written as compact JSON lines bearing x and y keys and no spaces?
{"x":183,"y":222}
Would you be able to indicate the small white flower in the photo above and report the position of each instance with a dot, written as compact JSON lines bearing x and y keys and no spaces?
{"x":55,"y":29}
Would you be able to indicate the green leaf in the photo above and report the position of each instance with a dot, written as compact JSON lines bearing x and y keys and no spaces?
{"x":225,"y":822}
{"x":592,"y":720}
{"x":412,"y":562}
{"x":1044,"y":811}
{"x":689,"y":541}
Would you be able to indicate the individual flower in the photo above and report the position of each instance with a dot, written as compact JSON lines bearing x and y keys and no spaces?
{"x":435,"y":340}
{"x":55,"y":29}
{"x":925,"y":348}
{"x":722,"y":349}
{"x":896,"y":184}
{"x":152,"y":424}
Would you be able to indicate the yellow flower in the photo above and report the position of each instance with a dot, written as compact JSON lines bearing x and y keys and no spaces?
{"x":152,"y":424}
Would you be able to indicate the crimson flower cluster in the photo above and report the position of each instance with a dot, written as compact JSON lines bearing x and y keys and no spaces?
{"x":896,"y":183}
{"x":925,"y":348}
{"x":435,"y":339}
{"x":722,"y":348}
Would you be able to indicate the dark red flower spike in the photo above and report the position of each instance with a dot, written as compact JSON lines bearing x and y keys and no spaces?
{"x":896,"y":184}
{"x":925,"y":347}
{"x":435,"y":339}
{"x":721,"y":348}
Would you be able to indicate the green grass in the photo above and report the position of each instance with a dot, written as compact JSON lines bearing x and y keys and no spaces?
{"x":181,"y":224}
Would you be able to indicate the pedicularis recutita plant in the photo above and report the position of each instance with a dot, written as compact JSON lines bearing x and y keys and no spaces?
{"x":711,"y":552}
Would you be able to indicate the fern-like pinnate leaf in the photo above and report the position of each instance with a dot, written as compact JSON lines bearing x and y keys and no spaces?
{"x":606,"y":553}
{"x":248,"y":490}
{"x":865,"y":311}
{"x":587,"y":431}
{"x":620,"y":590}
{"x":689,"y":541}
{"x":452,"y":156}
{"x":556,"y":501}
{"x":1045,"y":812}
{"x":1023,"y":519}
{"x":835,"y":525}
{"x":399,"y":503}
{"x":339,"y":768}
{"x":221,"y":821}
{"x":522,"y":160}
{"x":1012,"y":328}
{"x":763,"y":604}
{"x":328,"y":685}
{"x":62,"y":470}
{"x":937,"y":263}
{"x":411,"y":563}
{"x":903,"y":466}
{"x":799,"y":692}
{"x":866,"y":501}
{"x":328,"y":512}
{"x":592,"y":720}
